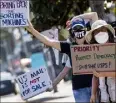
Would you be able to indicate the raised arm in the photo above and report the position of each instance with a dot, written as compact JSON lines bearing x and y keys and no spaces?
{"x":91,"y":16}
{"x":49,"y":42}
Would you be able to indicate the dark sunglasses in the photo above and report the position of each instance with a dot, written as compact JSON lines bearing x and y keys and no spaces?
{"x":78,"y":28}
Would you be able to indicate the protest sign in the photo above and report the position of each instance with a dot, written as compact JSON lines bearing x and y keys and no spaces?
{"x":33,"y":82}
{"x":99,"y":57}
{"x":51,"y":33}
{"x":14,"y":13}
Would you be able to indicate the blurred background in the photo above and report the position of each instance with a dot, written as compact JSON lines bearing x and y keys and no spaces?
{"x":18,"y":49}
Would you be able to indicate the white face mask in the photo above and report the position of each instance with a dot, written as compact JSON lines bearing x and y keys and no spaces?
{"x":102,"y":37}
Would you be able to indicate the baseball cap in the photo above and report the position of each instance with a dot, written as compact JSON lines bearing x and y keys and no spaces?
{"x":76,"y":24}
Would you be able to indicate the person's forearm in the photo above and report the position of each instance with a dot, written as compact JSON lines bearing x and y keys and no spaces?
{"x":92,"y":16}
{"x":45,"y":40}
{"x":61,"y":76}
{"x":94,"y":85}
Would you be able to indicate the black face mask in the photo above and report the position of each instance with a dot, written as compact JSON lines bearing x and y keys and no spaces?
{"x":79,"y":34}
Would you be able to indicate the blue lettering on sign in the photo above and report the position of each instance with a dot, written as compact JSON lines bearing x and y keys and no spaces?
{"x":22,"y":4}
{"x":38,"y":86}
{"x":43,"y":84}
{"x":37,"y":72}
{"x":25,"y":92}
{"x":11,"y":15}
{"x":12,"y":18}
{"x":7,"y":5}
{"x":13,"y":4}
{"x":23,"y":81}
{"x":14,"y":22}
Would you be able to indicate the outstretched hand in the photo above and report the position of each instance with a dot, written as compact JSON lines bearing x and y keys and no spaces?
{"x":30,"y":26}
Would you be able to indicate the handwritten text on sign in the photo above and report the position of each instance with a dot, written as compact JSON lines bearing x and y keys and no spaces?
{"x":88,"y":57}
{"x":34,"y":82}
{"x":14,"y":13}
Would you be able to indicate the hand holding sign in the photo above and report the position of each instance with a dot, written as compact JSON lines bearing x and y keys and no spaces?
{"x":104,"y":74}
{"x":97,"y":74}
{"x":30,"y":26}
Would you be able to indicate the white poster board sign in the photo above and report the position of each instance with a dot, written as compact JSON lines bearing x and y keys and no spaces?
{"x":34,"y":82}
{"x":14,"y":13}
{"x":51,"y":33}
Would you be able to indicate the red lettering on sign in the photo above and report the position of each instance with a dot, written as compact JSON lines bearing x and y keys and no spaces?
{"x":86,"y":48}
{"x":34,"y":80}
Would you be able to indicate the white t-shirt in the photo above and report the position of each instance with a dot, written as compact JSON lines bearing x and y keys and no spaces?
{"x":68,"y":63}
{"x":111,"y":85}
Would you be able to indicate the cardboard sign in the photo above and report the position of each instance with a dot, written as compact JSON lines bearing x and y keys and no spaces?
{"x":100,"y":57}
{"x":33,"y":82}
{"x":14,"y":13}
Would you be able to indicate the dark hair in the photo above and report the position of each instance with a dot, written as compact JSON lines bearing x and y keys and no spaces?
{"x":71,"y":35}
{"x":85,"y":42}
{"x":111,"y":38}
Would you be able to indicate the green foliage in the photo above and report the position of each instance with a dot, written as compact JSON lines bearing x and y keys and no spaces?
{"x":55,"y":12}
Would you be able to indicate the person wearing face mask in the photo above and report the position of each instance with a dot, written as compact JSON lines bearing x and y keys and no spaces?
{"x":78,"y":32}
{"x":82,"y":90}
{"x":102,"y":33}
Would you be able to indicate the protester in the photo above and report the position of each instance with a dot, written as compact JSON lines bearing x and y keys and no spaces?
{"x":64,"y":47}
{"x":83,"y":89}
{"x":102,"y":33}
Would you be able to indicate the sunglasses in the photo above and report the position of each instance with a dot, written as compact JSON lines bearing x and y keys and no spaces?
{"x":78,"y":28}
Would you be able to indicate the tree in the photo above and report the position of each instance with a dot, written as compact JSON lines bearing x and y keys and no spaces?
{"x":55,"y":12}
{"x":97,"y":6}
